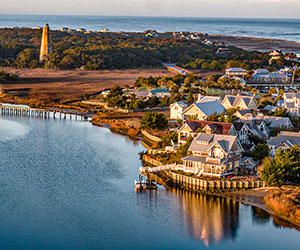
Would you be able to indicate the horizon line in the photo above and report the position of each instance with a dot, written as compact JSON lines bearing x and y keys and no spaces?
{"x":110,"y":15}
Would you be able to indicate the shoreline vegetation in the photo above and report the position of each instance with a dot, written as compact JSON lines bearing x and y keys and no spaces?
{"x":283,"y":203}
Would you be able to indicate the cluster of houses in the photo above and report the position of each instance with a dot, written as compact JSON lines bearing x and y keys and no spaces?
{"x":261,"y":75}
{"x":279,"y":55}
{"x":188,"y":36}
{"x":217,"y":146}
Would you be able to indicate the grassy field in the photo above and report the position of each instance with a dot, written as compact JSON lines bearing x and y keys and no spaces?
{"x":61,"y":86}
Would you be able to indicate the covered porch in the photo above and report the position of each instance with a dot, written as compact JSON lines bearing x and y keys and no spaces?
{"x":201,"y":165}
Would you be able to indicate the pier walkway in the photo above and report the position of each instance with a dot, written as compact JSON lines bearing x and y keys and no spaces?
{"x":25,"y":110}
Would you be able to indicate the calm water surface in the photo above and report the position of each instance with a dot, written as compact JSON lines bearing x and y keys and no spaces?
{"x":288,"y":29}
{"x":69,"y":185}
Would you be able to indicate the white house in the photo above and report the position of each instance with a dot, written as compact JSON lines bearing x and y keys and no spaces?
{"x":176,"y":110}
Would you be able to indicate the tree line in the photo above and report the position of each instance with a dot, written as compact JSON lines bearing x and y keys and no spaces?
{"x":20,"y":48}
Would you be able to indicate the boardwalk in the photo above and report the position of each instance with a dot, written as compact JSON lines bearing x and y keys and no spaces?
{"x":25,"y":110}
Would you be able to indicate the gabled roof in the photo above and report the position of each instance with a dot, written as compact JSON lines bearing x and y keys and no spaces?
{"x":234,"y":100}
{"x":180,"y":103}
{"x":236,"y":70}
{"x":245,"y":111}
{"x":239,"y":125}
{"x":226,"y":142}
{"x":277,"y":121}
{"x":208,"y":108}
{"x":288,"y":138}
{"x":262,"y":71}
{"x":208,"y":99}
{"x":219,"y":127}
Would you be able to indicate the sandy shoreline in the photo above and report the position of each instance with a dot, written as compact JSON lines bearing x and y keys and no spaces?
{"x":257,"y":43}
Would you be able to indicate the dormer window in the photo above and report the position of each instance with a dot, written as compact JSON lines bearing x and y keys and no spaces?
{"x":202,"y":142}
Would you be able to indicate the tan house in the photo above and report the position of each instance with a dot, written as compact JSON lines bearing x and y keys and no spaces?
{"x":192,"y":127}
{"x":245,"y":114}
{"x":236,"y":72}
{"x":214,"y":155}
{"x":239,"y":102}
{"x":176,"y":110}
{"x":200,"y":111}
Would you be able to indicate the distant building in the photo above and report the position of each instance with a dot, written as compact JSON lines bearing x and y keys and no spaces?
{"x":223,"y":52}
{"x":291,"y":57}
{"x":64,"y":29}
{"x":264,"y":76}
{"x":46,"y":47}
{"x":214,"y":155}
{"x":160,"y":93}
{"x":275,"y":55}
{"x":236,"y":72}
{"x":104,"y":30}
{"x":82,"y":30}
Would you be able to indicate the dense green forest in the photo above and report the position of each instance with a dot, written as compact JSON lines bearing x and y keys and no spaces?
{"x":20,"y":48}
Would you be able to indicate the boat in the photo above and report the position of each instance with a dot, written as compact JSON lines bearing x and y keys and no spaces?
{"x":143,"y":184}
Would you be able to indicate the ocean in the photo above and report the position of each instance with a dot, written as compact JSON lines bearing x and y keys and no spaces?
{"x":288,"y":29}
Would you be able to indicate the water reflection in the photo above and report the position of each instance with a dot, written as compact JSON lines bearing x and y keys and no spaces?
{"x":261,"y":217}
{"x":208,"y":218}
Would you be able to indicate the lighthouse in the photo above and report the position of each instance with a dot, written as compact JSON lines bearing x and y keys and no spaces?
{"x":46,"y":43}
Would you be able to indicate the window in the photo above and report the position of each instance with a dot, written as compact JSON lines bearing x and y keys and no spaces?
{"x":217,"y":153}
{"x":176,"y":108}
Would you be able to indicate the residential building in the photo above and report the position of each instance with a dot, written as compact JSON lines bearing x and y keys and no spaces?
{"x":192,"y":127}
{"x":176,"y":110}
{"x":214,"y":155}
{"x":236,"y":72}
{"x":223,"y":52}
{"x":246,"y":128}
{"x":200,"y":111}
{"x":249,"y":165}
{"x":239,"y":102}
{"x":291,"y":102}
{"x":206,"y":98}
{"x":160,"y":93}
{"x":275,"y":55}
{"x":277,"y":121}
{"x":284,"y":141}
{"x":264,"y":76}
{"x":245,"y":114}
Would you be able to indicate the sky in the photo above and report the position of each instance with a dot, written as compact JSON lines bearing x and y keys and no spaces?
{"x":184,"y":8}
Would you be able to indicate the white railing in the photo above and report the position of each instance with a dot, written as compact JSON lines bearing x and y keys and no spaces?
{"x":161,"y":168}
